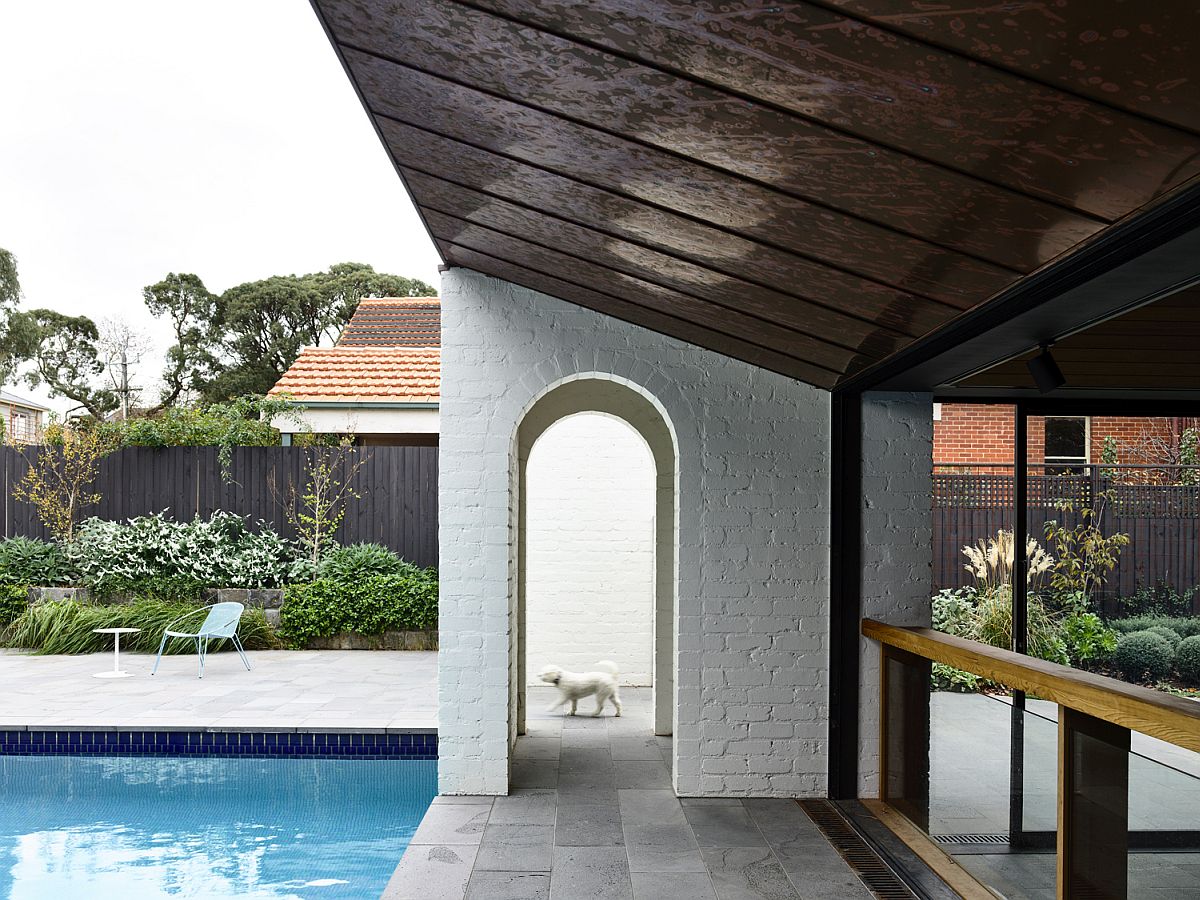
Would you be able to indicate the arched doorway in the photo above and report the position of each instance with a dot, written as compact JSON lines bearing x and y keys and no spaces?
{"x":642,"y":413}
{"x":589,"y":550}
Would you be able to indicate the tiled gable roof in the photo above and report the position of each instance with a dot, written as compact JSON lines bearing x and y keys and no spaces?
{"x":394,"y":322}
{"x":358,"y":374}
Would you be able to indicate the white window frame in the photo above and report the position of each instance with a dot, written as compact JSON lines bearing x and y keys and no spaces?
{"x":1071,"y":460}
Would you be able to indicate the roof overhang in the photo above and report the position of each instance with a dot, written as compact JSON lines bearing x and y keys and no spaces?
{"x":837,"y":190}
{"x":333,"y":403}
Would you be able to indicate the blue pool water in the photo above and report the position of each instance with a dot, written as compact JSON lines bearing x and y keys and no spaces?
{"x":136,"y":828}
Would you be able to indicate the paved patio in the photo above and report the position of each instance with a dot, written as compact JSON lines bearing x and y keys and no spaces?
{"x":592,"y":817}
{"x":312,"y":690}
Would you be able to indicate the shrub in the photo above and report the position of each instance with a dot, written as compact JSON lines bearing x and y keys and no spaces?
{"x":29,"y":561}
{"x":66,"y":626}
{"x":1087,"y":638}
{"x":221,"y":551}
{"x":1143,"y":655}
{"x":14,"y":600}
{"x":948,"y":678}
{"x":1160,"y":600}
{"x":406,"y":602}
{"x":1170,"y":634}
{"x":362,"y":561}
{"x":954,"y":611}
{"x":1187,"y":660}
{"x":993,"y":625}
{"x":240,"y":422}
{"x":1184,"y":627}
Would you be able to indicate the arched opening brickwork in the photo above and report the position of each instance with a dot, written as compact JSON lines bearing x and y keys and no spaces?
{"x":628,"y":403}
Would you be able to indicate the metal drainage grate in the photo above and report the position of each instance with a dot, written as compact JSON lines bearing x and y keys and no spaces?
{"x":872,"y":871}
{"x":971,"y":838}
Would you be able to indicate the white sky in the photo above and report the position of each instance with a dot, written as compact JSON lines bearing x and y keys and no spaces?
{"x":219,"y":137}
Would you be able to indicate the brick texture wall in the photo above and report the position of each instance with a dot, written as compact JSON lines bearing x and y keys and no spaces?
{"x":980,"y":434}
{"x":590,"y":549}
{"x":897,"y":542}
{"x":752,"y":618}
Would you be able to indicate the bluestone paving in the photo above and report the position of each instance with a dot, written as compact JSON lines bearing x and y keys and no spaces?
{"x":592,"y":816}
{"x":309,"y":690}
{"x":671,"y":886}
{"x":509,"y":886}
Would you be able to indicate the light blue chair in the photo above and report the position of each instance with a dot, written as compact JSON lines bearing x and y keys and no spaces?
{"x":220,"y":624}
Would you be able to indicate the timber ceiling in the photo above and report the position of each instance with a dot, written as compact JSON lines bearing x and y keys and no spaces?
{"x":810,"y":187}
{"x":1114,"y":354}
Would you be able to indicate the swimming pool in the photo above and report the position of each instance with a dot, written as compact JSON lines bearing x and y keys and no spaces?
{"x":137,"y":828}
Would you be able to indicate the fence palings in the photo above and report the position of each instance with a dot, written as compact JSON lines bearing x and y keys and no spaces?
{"x":397,"y":505}
{"x":1162,"y":521}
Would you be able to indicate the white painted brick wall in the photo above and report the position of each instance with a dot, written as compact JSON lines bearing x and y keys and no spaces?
{"x":897,"y":548}
{"x":590,"y":549}
{"x":751,"y":693}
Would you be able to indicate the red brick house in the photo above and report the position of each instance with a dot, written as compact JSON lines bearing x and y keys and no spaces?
{"x":981,"y":435}
{"x":381,"y":381}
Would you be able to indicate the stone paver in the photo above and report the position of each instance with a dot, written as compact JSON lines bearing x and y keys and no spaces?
{"x":310,"y":690}
{"x":592,"y":815}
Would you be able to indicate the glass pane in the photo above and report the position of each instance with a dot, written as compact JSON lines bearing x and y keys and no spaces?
{"x":1164,"y":820}
{"x":1096,"y":805}
{"x":1004,"y":838}
{"x":1066,"y":438}
{"x":1117,"y":592}
{"x":907,"y":736}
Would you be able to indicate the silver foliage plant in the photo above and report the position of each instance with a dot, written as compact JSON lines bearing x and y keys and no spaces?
{"x":220,"y":551}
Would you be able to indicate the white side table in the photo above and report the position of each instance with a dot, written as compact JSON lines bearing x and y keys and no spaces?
{"x":116,"y":669}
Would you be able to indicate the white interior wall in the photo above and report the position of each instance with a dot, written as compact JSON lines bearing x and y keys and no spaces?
{"x":590,"y":549}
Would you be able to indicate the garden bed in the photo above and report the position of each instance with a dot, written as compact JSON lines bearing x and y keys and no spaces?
{"x":144,"y":573}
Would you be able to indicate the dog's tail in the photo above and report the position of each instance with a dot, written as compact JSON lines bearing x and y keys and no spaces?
{"x":607,"y":665}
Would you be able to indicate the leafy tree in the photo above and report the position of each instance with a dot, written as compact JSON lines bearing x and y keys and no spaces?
{"x":191,"y":308}
{"x":68,"y":360}
{"x":60,"y":478}
{"x":316,"y":508}
{"x":244,"y":422}
{"x":261,"y":326}
{"x":1084,"y":555}
{"x":17,"y":335}
{"x":10,"y":284}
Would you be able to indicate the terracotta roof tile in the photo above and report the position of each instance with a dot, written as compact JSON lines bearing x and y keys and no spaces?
{"x":356,"y":373}
{"x":394,"y":322}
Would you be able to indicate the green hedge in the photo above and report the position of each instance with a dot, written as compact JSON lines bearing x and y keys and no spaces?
{"x":407,"y":602}
{"x":1187,"y":660}
{"x":66,"y":626}
{"x":1188,"y":626}
{"x":1144,"y":655}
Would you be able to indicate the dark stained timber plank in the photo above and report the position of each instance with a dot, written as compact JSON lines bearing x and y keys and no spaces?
{"x":646,"y":317}
{"x":817,"y":353}
{"x":575,"y":86}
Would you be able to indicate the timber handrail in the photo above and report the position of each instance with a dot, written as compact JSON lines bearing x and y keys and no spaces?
{"x":1161,"y":715}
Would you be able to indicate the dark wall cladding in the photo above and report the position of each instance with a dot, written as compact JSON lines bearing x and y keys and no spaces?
{"x":397,"y":505}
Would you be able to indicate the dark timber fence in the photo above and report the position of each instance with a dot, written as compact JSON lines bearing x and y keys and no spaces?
{"x":397,"y":506}
{"x":1161,"y":518}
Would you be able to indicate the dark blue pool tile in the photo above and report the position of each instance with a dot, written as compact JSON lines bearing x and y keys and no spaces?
{"x":241,"y":744}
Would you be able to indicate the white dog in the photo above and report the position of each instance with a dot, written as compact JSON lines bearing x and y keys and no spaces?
{"x":574,"y":686}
